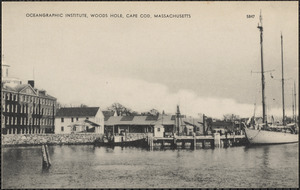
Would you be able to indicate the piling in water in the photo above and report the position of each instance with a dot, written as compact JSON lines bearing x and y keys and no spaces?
{"x":46,"y":157}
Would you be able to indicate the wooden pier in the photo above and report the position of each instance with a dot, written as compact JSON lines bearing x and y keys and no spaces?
{"x":197,"y":141}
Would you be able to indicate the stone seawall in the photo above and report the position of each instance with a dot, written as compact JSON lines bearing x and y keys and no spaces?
{"x":137,"y":136}
{"x":51,"y":139}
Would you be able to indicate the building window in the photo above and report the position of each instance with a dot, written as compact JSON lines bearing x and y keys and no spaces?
{"x":16,"y":97}
{"x":72,"y":119}
{"x":4,"y":96}
{"x":8,"y":96}
{"x":76,"y":118}
{"x":62,"y":119}
{"x":158,"y":129}
{"x":62,"y":128}
{"x":7,"y":108}
{"x":16,"y":120}
{"x":21,"y":121}
{"x":12,"y":120}
{"x":16,"y":109}
{"x":7,"y":120}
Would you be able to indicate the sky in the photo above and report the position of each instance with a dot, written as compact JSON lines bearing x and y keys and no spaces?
{"x":204,"y":62}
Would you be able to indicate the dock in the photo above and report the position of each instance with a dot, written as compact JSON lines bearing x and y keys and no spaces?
{"x":197,"y":141}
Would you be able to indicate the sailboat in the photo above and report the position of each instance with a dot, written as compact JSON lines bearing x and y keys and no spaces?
{"x":263,"y":133}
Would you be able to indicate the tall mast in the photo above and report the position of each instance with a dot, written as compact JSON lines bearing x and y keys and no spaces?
{"x":295,"y":100}
{"x":283,"y":111}
{"x":293,"y":106}
{"x":260,"y":27}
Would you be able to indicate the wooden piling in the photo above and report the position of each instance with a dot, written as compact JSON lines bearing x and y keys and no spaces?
{"x":162,"y":143}
{"x":150,"y":142}
{"x":182,"y":144}
{"x":212,"y":144}
{"x":46,"y":157}
{"x":194,"y":142}
{"x":203,"y":144}
{"x":174,"y":143}
{"x":217,"y":141}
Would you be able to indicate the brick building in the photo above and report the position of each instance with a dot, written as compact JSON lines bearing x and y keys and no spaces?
{"x":25,"y":109}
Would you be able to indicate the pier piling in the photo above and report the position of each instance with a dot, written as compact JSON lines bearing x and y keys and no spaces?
{"x":46,"y":157}
{"x":182,"y":144}
{"x":203,"y":144}
{"x":174,"y":144}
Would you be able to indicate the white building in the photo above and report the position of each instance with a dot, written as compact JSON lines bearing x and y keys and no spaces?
{"x":79,"y":120}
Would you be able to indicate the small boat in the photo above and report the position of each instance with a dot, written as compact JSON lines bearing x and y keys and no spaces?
{"x":120,"y":141}
{"x":264,"y":133}
{"x":136,"y":143}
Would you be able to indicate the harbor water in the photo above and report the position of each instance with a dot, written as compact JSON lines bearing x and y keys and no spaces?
{"x":87,"y":166}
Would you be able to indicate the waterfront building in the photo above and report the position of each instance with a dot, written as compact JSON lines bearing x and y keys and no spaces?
{"x":79,"y":120}
{"x":152,"y":124}
{"x":159,"y":130}
{"x":24,"y":108}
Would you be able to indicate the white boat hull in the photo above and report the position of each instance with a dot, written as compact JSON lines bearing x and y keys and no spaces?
{"x":270,"y":137}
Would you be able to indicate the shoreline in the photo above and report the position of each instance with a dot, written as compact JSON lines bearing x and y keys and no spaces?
{"x":22,"y":140}
{"x":49,"y":144}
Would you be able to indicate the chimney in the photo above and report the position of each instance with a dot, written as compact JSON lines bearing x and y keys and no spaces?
{"x":31,"y":82}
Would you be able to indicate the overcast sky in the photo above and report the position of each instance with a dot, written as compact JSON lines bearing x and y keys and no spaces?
{"x":202,"y":63}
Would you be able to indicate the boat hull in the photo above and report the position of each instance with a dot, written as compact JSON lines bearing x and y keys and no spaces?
{"x":136,"y":143}
{"x":270,"y":137}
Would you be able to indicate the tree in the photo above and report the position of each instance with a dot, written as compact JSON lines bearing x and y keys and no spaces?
{"x":231,"y":117}
{"x":83,"y":106}
{"x":121,"y":110}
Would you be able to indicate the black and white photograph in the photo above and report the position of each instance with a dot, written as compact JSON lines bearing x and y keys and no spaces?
{"x":140,"y":94}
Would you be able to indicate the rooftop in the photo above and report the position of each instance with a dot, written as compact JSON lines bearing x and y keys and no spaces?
{"x":21,"y":88}
{"x":150,"y":120}
{"x":78,"y":112}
